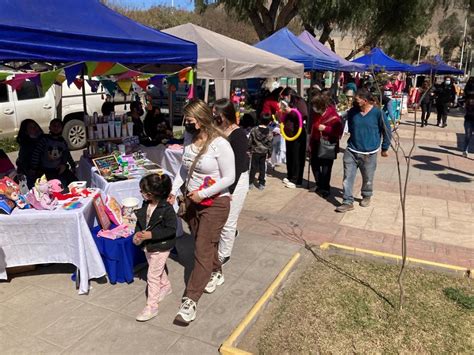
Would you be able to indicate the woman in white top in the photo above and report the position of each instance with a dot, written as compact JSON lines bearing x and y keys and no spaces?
{"x":207,"y":200}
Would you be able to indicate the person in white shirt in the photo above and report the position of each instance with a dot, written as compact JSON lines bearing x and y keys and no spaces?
{"x":210,"y":159}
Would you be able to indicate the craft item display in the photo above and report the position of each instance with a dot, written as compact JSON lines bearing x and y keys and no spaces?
{"x":99,"y":206}
{"x":10,"y":196}
{"x":122,"y":231}
{"x":129,"y":205}
{"x":113,"y":210}
{"x":104,"y":133}
{"x":300,"y":128}
{"x":106,"y":165}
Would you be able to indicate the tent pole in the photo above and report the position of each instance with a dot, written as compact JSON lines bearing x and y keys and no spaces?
{"x":84,"y":103}
{"x":206,"y":91}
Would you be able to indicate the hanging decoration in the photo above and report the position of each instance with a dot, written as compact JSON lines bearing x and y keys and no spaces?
{"x":125,"y":85}
{"x":72,"y":72}
{"x":47,"y":79}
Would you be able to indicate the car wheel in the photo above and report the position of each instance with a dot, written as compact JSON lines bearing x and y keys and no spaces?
{"x":74,"y":133}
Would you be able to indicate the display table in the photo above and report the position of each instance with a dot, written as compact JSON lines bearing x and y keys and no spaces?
{"x":168,"y":159}
{"x":119,"y":256}
{"x":29,"y":237}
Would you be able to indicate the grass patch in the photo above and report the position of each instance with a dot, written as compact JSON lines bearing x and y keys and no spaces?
{"x":9,"y":145}
{"x":323,"y":311}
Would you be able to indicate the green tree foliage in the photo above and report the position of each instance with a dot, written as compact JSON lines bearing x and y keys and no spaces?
{"x":371,"y":22}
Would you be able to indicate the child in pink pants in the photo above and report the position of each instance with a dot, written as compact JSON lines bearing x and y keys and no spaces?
{"x":156,"y":233}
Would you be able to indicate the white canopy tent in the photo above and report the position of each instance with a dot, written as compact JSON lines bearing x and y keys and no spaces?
{"x":224,"y":59}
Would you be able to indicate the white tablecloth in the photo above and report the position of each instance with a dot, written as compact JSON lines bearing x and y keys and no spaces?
{"x":168,"y":159}
{"x":29,"y":237}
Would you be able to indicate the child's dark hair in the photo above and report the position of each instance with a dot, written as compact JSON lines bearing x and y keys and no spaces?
{"x":22,"y":133}
{"x":265,"y":119}
{"x":56,"y":120}
{"x":247,"y":121}
{"x":158,"y":186}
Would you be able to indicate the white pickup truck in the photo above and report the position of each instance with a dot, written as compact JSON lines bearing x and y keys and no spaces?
{"x":29,"y":102}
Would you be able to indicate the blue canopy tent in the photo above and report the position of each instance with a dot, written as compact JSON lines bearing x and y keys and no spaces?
{"x":285,"y":44}
{"x":343,"y":65}
{"x":85,"y":30}
{"x":436,"y":67}
{"x":378,"y":60}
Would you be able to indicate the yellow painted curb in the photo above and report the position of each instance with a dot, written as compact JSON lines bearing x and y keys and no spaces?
{"x":326,"y":246}
{"x":227,"y":347}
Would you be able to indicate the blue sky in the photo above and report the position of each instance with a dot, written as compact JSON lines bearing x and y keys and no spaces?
{"x":144,"y":4}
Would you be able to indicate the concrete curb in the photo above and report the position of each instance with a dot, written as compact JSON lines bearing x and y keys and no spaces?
{"x":227,"y":347}
{"x":447,"y":267}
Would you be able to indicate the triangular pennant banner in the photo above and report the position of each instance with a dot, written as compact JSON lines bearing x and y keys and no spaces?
{"x":157,"y":80}
{"x":172,"y":80}
{"x":190,"y":92}
{"x":72,"y":72}
{"x":3,"y":76}
{"x":90,"y":68}
{"x":79,"y":83}
{"x":48,"y":78}
{"x":116,"y":69}
{"x":25,"y":75}
{"x":182,"y":74}
{"x":129,"y":74}
{"x":143,"y":84}
{"x":15,"y":83}
{"x":94,"y":84}
{"x":125,"y":85}
{"x":190,"y":76}
{"x":109,"y":85}
{"x":60,"y":79}
{"x":102,"y":67}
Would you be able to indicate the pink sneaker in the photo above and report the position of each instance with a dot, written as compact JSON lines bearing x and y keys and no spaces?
{"x":165,"y":292}
{"x":147,"y":314}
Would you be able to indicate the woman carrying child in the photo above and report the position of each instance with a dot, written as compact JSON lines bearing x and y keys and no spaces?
{"x":156,"y":233}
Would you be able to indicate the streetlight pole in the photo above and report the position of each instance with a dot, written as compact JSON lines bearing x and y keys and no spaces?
{"x":463,"y":43}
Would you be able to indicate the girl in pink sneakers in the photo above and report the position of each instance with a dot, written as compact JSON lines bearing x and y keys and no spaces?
{"x":156,"y":233}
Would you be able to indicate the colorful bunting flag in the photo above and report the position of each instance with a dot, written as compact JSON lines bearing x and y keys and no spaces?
{"x":102,"y":67}
{"x":185,"y":74}
{"x":143,"y":84}
{"x":25,"y":76}
{"x":79,"y":83}
{"x":60,"y":79}
{"x":191,"y":92}
{"x":116,"y":69}
{"x":90,"y":68}
{"x":94,"y":84}
{"x":125,"y":85}
{"x":72,"y":72}
{"x":4,"y":75}
{"x":48,"y":78}
{"x":36,"y":80}
{"x":15,"y":83}
{"x":157,"y":80}
{"x":109,"y":85}
{"x":129,"y":74}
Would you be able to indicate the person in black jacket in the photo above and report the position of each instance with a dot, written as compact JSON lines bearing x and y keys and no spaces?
{"x":260,"y":146}
{"x":225,"y":117}
{"x":28,"y":138}
{"x":156,"y":233}
{"x":426,"y":100}
{"x":444,"y":96}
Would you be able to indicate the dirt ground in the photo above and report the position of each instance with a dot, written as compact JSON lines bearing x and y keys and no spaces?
{"x":344,"y":304}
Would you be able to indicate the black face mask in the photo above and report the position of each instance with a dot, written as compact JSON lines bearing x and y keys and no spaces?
{"x":191,"y":128}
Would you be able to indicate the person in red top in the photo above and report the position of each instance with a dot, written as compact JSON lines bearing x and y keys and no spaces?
{"x":326,"y":123}
{"x":271,"y":104}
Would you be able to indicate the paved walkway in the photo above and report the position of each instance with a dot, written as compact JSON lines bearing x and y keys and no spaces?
{"x":40,"y":312}
{"x":440,"y":203}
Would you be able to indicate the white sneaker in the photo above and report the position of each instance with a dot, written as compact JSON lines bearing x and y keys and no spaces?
{"x":187,"y":312}
{"x":217,"y":279}
{"x":465,"y":154}
{"x":286,"y":181}
{"x":147,"y":314}
{"x":290,"y":185}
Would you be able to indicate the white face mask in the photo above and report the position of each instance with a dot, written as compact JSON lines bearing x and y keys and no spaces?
{"x":448,"y":82}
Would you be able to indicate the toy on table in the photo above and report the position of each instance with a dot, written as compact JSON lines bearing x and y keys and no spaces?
{"x":73,"y":204}
{"x":40,"y":196}
{"x":10,"y":196}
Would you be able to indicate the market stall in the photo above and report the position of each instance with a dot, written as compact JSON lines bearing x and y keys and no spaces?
{"x":377,"y":60}
{"x":223,"y":59}
{"x":74,"y":39}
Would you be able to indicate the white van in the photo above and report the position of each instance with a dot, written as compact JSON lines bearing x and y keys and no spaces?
{"x":30,"y":102}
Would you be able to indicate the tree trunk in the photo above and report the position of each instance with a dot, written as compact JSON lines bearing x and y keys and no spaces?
{"x":327,"y":29}
{"x":310,"y":29}
{"x":332,"y":44}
